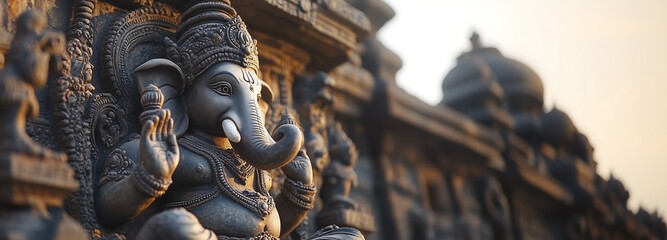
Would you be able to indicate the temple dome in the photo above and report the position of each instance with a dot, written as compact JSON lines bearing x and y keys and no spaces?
{"x":558,"y":128}
{"x":469,"y":79}
{"x":471,"y":88}
{"x":523,"y":92}
{"x":516,"y":78}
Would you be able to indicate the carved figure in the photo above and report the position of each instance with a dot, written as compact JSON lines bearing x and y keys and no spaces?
{"x":33,"y":179}
{"x":339,"y":177}
{"x":215,"y":165}
{"x":27,"y":69}
{"x":333,"y":156}
{"x":315,"y":100}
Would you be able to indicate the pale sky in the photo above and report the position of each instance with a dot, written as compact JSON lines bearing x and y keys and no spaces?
{"x":604,"y":62}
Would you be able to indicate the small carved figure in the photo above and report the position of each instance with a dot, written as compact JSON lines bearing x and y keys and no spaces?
{"x":216,"y":167}
{"x":33,"y":179}
{"x":315,"y":100}
{"x":339,"y":177}
{"x":27,"y":69}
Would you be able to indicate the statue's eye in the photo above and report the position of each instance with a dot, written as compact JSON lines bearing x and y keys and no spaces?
{"x":222,"y":88}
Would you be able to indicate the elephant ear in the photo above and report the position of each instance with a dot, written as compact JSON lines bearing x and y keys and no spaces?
{"x":168,"y":77}
{"x":267,"y":93}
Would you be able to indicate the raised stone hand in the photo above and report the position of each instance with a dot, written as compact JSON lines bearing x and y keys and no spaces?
{"x":298,"y":193}
{"x":299,"y":169}
{"x":158,"y":146}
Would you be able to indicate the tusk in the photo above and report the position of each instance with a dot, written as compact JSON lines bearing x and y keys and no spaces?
{"x":231,"y":131}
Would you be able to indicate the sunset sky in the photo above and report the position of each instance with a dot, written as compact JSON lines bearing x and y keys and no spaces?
{"x":604,"y":62}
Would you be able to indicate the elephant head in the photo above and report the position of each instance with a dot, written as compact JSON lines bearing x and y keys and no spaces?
{"x":216,"y":61}
{"x":224,"y":101}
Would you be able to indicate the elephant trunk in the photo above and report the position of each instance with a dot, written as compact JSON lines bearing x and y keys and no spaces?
{"x":258,"y":148}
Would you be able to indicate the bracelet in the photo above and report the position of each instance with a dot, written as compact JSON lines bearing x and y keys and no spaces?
{"x":300,"y":194}
{"x":149,"y":184}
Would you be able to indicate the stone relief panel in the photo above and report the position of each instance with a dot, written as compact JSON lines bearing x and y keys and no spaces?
{"x":136,"y":110}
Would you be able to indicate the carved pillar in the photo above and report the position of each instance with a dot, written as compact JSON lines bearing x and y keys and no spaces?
{"x":71,"y":94}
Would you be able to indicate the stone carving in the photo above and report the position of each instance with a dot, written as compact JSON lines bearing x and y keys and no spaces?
{"x":313,"y":102}
{"x":143,"y":28}
{"x":496,"y":207}
{"x":299,"y":8}
{"x":34,"y":179}
{"x":315,"y":99}
{"x":71,"y":93}
{"x":470,"y":223}
{"x":279,"y":66}
{"x":116,"y":167}
{"x":27,"y":68}
{"x":41,"y":131}
{"x":334,"y":174}
{"x":338,"y":179}
{"x":108,"y":122}
{"x":345,"y":11}
{"x":217,"y":168}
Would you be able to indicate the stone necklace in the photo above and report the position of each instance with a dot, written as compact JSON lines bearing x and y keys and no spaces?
{"x":259,"y":202}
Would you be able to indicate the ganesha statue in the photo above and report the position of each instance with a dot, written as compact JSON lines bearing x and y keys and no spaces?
{"x":198,"y":170}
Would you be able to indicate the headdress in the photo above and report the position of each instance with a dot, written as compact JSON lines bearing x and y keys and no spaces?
{"x":210,"y":32}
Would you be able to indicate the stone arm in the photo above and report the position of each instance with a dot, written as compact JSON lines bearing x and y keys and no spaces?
{"x":297,"y":195}
{"x":138,"y":172}
{"x":119,"y":201}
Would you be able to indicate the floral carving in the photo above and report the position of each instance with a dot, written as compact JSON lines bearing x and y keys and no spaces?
{"x":108,"y":122}
{"x":116,"y":167}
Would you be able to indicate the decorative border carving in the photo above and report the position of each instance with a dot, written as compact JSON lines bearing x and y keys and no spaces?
{"x":137,"y":27}
{"x":41,"y":131}
{"x":346,"y":12}
{"x":108,"y":123}
{"x":71,"y":93}
{"x":116,"y":167}
{"x":299,"y":8}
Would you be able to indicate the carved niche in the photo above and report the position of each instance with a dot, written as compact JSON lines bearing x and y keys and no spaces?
{"x":90,"y":125}
{"x":131,"y":41}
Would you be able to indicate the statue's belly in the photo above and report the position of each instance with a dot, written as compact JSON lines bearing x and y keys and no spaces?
{"x":225,"y":217}
{"x":194,"y":180}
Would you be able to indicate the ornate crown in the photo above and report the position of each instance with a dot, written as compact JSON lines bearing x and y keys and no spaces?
{"x":211,"y":32}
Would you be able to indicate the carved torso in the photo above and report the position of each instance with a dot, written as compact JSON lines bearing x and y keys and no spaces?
{"x":196,"y":188}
